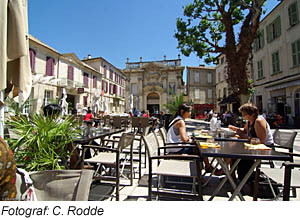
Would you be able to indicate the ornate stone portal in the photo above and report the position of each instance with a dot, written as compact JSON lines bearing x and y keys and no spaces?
{"x":149,"y":83}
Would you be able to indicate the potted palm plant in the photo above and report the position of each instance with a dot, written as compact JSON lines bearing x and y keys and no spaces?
{"x":42,"y":143}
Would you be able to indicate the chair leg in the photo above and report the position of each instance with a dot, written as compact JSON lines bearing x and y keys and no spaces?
{"x":150,"y":183}
{"x":118,"y":177}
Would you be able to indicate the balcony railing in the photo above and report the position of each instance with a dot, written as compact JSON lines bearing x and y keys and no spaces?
{"x":64,"y":82}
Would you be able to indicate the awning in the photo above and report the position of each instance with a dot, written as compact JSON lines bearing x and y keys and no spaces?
{"x":232,"y":98}
{"x":283,"y":85}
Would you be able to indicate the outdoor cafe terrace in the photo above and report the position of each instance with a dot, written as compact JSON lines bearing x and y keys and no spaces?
{"x":119,"y":158}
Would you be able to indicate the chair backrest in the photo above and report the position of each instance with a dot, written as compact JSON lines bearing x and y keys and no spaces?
{"x":62,"y":185}
{"x":144,"y":122}
{"x":106,"y":120}
{"x":126,"y":140}
{"x":163,"y":134}
{"x":151,"y":144}
{"x":117,"y":122}
{"x":285,"y":138}
{"x":135,"y":122}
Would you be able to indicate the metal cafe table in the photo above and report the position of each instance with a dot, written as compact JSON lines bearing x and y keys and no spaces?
{"x":236,"y":150}
{"x":98,"y":138}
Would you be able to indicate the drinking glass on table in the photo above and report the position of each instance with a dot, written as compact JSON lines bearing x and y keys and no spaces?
{"x":254,"y":141}
{"x":210,"y":140}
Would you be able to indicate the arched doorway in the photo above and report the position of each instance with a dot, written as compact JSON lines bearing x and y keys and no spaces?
{"x":153,"y":103}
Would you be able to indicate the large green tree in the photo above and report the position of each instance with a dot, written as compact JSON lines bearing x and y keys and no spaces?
{"x":207,"y":22}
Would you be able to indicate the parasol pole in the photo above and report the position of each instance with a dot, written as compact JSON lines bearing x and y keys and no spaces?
{"x":2,"y":113}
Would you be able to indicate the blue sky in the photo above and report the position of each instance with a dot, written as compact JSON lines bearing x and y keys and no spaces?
{"x":112,"y":29}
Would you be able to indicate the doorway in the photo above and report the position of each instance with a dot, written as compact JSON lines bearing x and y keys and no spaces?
{"x":153,"y":103}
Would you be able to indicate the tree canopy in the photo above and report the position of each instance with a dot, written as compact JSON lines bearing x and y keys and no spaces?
{"x":207,"y":22}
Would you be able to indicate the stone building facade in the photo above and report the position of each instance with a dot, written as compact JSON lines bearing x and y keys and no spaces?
{"x":54,"y":73}
{"x":276,"y":62}
{"x":113,"y":84}
{"x":201,"y":82}
{"x":150,"y":84}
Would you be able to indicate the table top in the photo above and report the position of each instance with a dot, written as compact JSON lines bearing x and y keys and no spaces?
{"x":103,"y":134}
{"x":234,"y":149}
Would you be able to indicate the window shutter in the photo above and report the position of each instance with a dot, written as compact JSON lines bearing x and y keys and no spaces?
{"x":262,"y":38}
{"x":71,"y":72}
{"x":94,"y":81}
{"x":269,"y":33}
{"x":32,"y":60}
{"x":86,"y":79}
{"x":105,"y":70}
{"x":278,"y":26}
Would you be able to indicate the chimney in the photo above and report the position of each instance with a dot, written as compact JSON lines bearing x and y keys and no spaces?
{"x":127,"y":60}
{"x":89,"y":56}
{"x":179,"y":57}
{"x":165,"y":57}
{"x":141,"y":59}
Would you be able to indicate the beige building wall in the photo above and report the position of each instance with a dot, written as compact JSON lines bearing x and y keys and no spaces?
{"x":201,"y":83}
{"x":276,"y":88}
{"x":48,"y":89}
{"x":222,"y":87}
{"x":149,"y":83}
{"x":115,"y":102}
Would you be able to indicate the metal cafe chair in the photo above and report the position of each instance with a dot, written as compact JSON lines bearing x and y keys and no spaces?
{"x":55,"y":185}
{"x":284,"y":143}
{"x":111,"y":158}
{"x":180,"y":165}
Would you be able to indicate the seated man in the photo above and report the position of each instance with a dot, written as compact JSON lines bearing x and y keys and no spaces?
{"x":7,"y":173}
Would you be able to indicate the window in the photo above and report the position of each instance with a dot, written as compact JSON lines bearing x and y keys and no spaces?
{"x":49,"y":66}
{"x":105,"y":71}
{"x":70,"y":72}
{"x":209,"y":78}
{"x":104,"y":86}
{"x":172,"y":88}
{"x":94,"y":81}
{"x":259,"y":41}
{"x":296,"y":53}
{"x":209,"y":93}
{"x":274,"y":30}
{"x":224,"y":92}
{"x":197,"y":77}
{"x":115,"y":89}
{"x":47,"y":97}
{"x":197,"y":93}
{"x":219,"y":76}
{"x":222,"y":60}
{"x":133,"y":89}
{"x":275,"y":62}
{"x":260,"y":72}
{"x":111,"y":75}
{"x":293,"y":14}
{"x":85,"y":100}
{"x":32,"y":54}
{"x":86,"y":79}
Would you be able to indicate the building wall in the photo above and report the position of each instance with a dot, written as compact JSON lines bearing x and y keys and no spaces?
{"x":153,"y":80}
{"x":201,"y":84}
{"x":55,"y":85}
{"x":276,"y":91}
{"x":115,"y":102}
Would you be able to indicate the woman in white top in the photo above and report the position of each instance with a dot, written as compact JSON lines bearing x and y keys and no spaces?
{"x":256,"y":127}
{"x":177,"y":132}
